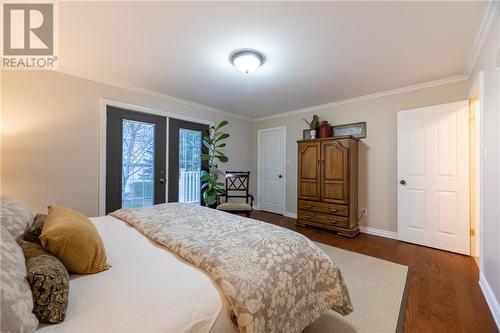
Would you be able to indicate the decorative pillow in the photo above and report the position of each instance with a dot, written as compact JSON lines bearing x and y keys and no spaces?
{"x":15,"y":295}
{"x":14,"y":216}
{"x":72,"y":238}
{"x":49,"y":282}
{"x":32,"y":234}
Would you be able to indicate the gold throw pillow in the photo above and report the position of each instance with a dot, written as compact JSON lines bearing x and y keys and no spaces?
{"x":71,"y":237}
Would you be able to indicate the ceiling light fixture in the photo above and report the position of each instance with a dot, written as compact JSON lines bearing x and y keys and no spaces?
{"x":247,"y":61}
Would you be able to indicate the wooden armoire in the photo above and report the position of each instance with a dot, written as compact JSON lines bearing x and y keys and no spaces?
{"x":327,"y":189}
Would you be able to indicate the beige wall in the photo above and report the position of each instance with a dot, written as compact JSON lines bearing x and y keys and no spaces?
{"x":50,"y":136}
{"x":377,"y":153}
{"x":490,"y":98}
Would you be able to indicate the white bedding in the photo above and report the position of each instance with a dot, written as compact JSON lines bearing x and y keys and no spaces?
{"x":147,"y":289}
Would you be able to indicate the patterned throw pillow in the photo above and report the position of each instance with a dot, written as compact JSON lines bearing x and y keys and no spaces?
{"x":16,"y":299}
{"x":49,"y":282}
{"x":14,"y":216}
{"x":33,"y":232}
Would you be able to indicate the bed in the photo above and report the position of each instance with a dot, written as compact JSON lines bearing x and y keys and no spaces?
{"x":147,"y":289}
{"x":185,"y":268}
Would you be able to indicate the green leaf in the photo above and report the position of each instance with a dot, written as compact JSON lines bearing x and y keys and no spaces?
{"x":208,"y":145}
{"x":209,"y":198}
{"x":222,"y":158}
{"x":205,"y":157}
{"x":204,"y":178}
{"x":222,"y":124}
{"x":204,"y":185}
{"x":207,"y":139}
{"x":221,"y":145}
{"x":221,"y":137}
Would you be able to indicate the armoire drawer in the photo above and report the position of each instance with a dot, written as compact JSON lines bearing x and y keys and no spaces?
{"x":323,"y":207}
{"x":332,"y":220}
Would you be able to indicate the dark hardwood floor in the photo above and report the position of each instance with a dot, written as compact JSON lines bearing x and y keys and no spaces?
{"x":443,"y":291}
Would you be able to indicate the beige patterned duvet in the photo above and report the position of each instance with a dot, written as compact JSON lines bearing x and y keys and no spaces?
{"x":274,"y":280}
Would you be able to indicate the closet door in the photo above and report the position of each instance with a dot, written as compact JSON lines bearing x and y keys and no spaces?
{"x":334,"y":172}
{"x":308,"y":171}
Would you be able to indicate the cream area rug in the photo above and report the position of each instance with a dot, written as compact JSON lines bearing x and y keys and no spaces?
{"x":377,"y":289}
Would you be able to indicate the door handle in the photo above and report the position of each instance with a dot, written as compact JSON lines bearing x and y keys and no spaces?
{"x":162,"y":181}
{"x":402,"y":182}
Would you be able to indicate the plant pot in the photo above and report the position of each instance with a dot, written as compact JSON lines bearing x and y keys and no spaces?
{"x":313,"y":134}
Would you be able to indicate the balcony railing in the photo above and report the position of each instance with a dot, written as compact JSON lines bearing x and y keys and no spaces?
{"x":189,"y":186}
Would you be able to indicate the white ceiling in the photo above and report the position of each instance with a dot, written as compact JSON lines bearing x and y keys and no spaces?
{"x":317,"y":52}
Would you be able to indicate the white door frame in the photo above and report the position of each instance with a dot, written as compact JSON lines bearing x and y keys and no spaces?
{"x":283,"y":129}
{"x":478,"y":89}
{"x":103,"y":104}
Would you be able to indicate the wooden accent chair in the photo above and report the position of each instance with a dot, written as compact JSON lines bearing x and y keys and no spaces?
{"x":237,"y":183}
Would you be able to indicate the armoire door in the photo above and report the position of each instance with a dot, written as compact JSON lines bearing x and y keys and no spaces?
{"x":334,"y":172}
{"x":309,"y":177}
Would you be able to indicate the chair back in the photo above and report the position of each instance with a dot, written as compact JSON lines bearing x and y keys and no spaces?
{"x":236,"y":183}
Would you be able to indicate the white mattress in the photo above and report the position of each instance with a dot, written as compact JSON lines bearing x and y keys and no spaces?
{"x":147,"y":289}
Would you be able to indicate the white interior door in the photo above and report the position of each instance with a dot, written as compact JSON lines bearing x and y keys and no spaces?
{"x":272,"y":170}
{"x":433,"y":175}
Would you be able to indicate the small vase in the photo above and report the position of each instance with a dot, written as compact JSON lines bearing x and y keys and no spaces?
{"x":313,"y":134}
{"x":325,"y":131}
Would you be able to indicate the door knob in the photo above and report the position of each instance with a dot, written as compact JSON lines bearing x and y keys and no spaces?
{"x":280,"y":176}
{"x":402,"y":182}
{"x":162,"y":181}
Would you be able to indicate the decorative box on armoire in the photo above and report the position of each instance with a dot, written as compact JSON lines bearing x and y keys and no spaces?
{"x":327,"y":184}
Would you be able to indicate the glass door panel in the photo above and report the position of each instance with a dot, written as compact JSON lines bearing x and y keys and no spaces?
{"x":137,"y":163}
{"x":184,"y":160}
{"x":189,"y":165}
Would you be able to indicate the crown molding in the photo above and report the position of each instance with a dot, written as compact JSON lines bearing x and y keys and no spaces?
{"x":489,"y":15}
{"x":152,"y":93}
{"x":419,"y":86}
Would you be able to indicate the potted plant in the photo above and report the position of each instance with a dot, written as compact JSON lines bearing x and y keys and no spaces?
{"x":313,"y":124}
{"x":211,"y":187}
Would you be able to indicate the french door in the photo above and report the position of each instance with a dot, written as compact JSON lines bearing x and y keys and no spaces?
{"x":433,"y":175}
{"x":185,"y":142}
{"x":135,"y":159}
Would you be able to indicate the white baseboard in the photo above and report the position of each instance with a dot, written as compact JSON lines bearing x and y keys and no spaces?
{"x":366,"y":230}
{"x":378,"y":232}
{"x":490,"y":298}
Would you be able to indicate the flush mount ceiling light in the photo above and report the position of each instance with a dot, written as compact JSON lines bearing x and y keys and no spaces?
{"x":247,"y":61}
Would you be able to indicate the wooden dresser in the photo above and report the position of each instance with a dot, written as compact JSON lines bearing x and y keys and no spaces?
{"x":327,"y":189}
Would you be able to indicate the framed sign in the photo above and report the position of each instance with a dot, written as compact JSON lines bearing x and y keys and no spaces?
{"x":357,"y":130}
